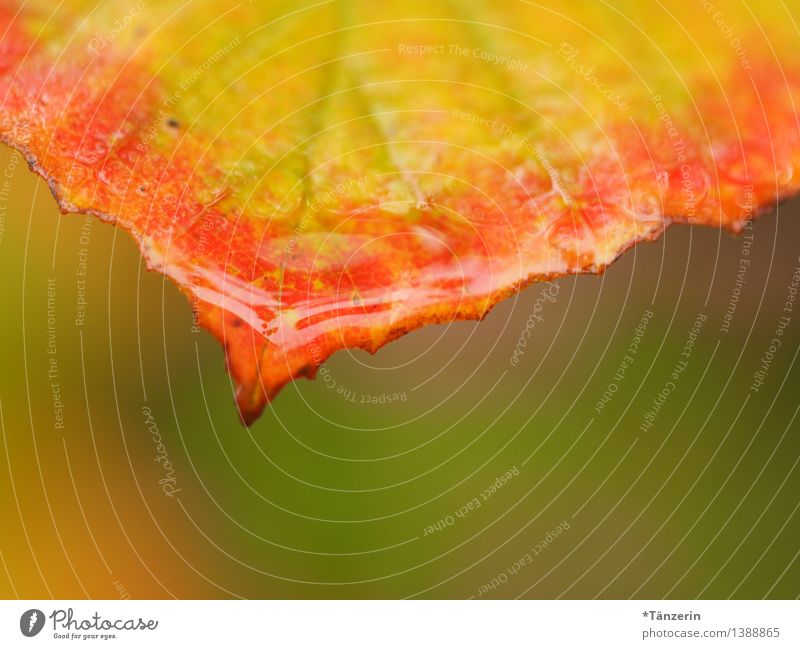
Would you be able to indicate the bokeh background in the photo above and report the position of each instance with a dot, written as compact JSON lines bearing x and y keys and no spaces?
{"x":359,"y":484}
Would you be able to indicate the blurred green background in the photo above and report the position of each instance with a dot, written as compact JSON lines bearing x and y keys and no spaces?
{"x":470,"y":476}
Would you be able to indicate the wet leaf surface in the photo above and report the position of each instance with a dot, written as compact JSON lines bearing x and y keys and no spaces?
{"x":331,"y":175}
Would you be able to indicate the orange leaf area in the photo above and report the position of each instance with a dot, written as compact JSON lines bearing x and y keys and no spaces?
{"x":332,"y":175}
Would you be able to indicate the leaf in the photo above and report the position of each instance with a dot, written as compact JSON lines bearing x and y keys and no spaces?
{"x":329,"y":175}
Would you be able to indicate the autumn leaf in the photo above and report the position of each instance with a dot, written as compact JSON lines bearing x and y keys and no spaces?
{"x":329,"y":175}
